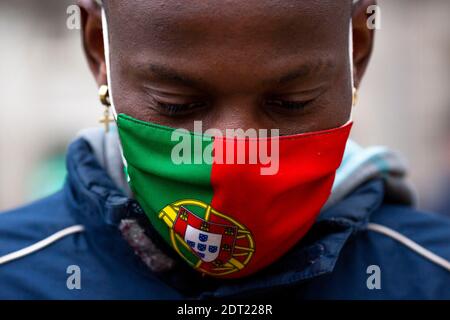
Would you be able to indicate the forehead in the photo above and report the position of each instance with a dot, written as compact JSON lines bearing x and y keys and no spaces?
{"x":220,"y":40}
{"x":190,"y":23}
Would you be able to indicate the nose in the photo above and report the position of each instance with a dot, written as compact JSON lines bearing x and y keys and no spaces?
{"x":241,"y":112}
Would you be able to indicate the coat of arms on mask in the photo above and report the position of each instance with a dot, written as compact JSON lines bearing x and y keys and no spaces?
{"x":208,"y":240}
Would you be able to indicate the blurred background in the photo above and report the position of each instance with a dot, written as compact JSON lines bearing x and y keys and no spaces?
{"x":47,"y":95}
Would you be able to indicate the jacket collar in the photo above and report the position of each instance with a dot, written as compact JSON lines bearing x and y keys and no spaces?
{"x":91,"y":192}
{"x":97,"y":203}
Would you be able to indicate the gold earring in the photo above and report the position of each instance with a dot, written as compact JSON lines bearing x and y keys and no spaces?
{"x":103,"y":94}
{"x":355,"y":97}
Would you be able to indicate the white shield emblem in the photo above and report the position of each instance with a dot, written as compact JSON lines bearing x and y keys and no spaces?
{"x":205,"y":244}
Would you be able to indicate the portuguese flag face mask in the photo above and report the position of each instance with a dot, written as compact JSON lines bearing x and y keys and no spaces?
{"x":228,"y":219}
{"x":224,"y":216}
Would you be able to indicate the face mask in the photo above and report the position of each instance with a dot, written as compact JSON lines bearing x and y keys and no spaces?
{"x":229,"y":219}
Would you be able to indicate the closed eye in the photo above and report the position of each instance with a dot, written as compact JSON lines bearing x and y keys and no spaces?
{"x":288,"y":105}
{"x":173,"y":109}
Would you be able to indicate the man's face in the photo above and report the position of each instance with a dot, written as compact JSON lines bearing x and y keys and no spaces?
{"x":280,"y":64}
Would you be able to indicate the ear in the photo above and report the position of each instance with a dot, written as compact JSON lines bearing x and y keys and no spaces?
{"x":363,"y":38}
{"x":92,"y":37}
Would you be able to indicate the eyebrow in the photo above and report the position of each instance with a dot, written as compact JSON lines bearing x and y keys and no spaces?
{"x":168,"y":74}
{"x":316,"y":66}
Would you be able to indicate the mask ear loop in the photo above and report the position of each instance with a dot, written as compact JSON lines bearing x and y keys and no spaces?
{"x":352,"y":76}
{"x":109,"y":80}
{"x":108,"y":61}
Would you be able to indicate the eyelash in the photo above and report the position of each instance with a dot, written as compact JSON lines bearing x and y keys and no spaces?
{"x":290,"y":105}
{"x":173,"y":109}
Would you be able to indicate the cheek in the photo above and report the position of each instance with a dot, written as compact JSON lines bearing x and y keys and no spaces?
{"x":331,"y":109}
{"x":336,"y":102}
{"x":341,"y":94}
{"x":129,"y":98}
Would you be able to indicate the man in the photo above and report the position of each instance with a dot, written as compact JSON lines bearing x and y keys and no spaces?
{"x":223,"y":230}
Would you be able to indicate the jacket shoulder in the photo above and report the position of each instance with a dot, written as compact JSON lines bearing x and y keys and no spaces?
{"x":408,"y":248}
{"x":432,"y":231}
{"x":34,"y":221}
{"x":377,"y":264}
{"x":35,"y":242}
{"x":106,"y":266}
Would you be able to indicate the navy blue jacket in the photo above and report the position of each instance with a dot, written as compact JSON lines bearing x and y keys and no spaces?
{"x":334,"y":261}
